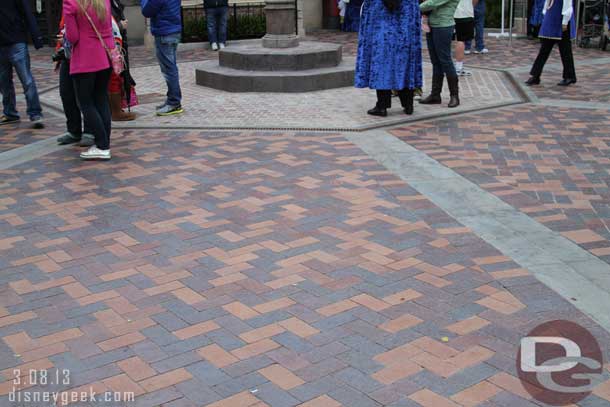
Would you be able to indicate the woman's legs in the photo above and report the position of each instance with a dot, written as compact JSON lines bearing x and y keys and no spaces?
{"x":437,"y":71}
{"x":102,"y":104}
{"x":91,"y":91}
{"x":441,"y":38}
{"x":442,"y":45}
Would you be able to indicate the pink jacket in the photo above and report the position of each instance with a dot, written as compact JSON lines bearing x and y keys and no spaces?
{"x":88,"y":55}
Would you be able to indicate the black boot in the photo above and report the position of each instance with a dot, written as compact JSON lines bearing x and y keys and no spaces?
{"x":454,"y":91}
{"x":378,"y":111}
{"x":406,"y":100}
{"x":435,"y":95}
{"x":384,"y":102}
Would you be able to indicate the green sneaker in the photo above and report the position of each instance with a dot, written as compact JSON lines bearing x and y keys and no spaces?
{"x":169,"y":110}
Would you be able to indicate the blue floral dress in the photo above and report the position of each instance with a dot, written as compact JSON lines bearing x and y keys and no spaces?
{"x":389,"y":47}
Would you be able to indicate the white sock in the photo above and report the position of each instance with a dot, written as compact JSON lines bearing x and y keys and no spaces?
{"x":459,"y":66}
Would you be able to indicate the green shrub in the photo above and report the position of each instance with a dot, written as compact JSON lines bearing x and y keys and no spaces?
{"x":245,"y":26}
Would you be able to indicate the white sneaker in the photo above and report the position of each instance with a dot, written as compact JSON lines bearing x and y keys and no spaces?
{"x":463,"y":72}
{"x":483,"y":51}
{"x":95,"y":153}
{"x":222,"y":46}
{"x":214,"y":46}
{"x":467,"y":52}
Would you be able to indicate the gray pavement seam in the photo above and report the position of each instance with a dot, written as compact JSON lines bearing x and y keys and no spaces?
{"x":574,"y":273}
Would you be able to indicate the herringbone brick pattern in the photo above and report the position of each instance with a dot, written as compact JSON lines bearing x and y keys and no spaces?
{"x":256,"y":269}
{"x":551,"y":163}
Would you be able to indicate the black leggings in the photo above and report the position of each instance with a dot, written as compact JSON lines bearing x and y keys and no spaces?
{"x":92,"y":93}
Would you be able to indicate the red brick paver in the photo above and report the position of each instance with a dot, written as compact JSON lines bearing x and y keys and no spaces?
{"x":324,"y":309}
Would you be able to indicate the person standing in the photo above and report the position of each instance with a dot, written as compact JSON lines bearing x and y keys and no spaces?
{"x":558,"y":27}
{"x":442,"y":25}
{"x":479,"y":30}
{"x":464,"y":31}
{"x":89,"y":30}
{"x":16,"y":21}
{"x":74,"y":124}
{"x":166,"y":26}
{"x":120,"y":85}
{"x":389,"y":52}
{"x":535,"y":18}
{"x":217,"y":12}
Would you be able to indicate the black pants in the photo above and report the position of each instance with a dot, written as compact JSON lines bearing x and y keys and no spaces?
{"x":439,"y":47}
{"x":384,"y":98}
{"x":92,"y":93}
{"x":69,"y":101}
{"x":565,"y":49}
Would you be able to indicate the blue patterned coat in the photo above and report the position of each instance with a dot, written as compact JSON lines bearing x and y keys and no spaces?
{"x":389,"y":47}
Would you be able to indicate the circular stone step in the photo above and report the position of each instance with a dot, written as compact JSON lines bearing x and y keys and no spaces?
{"x":210,"y":74}
{"x":254,"y":57}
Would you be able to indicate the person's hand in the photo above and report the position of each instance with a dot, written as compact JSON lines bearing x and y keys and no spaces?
{"x":60,"y":37}
{"x":564,"y":27}
{"x":124,"y":24}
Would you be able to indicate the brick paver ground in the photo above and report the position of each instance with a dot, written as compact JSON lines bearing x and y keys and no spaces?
{"x":240,"y":268}
{"x":343,"y":108}
{"x":256,"y":269}
{"x":549,"y":162}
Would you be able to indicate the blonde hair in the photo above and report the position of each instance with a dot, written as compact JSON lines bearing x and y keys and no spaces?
{"x":99,"y":6}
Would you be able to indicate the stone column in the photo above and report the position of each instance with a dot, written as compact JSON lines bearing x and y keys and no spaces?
{"x":281,"y":19}
{"x":149,"y":40}
{"x":301,"y":18}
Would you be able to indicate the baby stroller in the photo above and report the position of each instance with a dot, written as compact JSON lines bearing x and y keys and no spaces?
{"x":594,"y":23}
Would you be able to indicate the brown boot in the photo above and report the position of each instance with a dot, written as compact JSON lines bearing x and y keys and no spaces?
{"x":118,"y":115}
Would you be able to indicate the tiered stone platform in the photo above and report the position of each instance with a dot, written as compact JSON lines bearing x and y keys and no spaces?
{"x":250,"y":67}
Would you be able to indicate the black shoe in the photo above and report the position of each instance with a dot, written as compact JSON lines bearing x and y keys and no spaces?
{"x":566,"y":82}
{"x":378,"y":111}
{"x":432,"y":99}
{"x":435,"y":94}
{"x":533,"y":81}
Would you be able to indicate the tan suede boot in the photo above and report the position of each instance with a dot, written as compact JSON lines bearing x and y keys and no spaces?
{"x":118,"y":115}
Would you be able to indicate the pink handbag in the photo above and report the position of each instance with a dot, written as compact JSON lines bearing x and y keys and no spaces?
{"x":115,"y":56}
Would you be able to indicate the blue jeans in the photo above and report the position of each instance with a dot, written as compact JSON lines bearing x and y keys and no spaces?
{"x":166,"y":47}
{"x":17,"y":57}
{"x":479,"y":26}
{"x":217,"y":24}
{"x":439,"y":47}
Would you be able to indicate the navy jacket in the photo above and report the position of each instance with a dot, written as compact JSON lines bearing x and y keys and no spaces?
{"x":215,"y":3}
{"x":16,"y":21}
{"x":165,"y":18}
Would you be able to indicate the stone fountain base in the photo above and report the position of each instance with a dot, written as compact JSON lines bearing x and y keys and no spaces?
{"x":252,"y":67}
